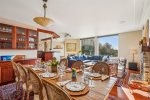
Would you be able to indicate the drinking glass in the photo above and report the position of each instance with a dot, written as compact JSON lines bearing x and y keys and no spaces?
{"x":61,"y":70}
{"x":83,"y":71}
{"x":91,"y":83}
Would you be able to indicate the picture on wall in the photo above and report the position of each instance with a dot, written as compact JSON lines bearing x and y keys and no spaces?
{"x":71,"y":47}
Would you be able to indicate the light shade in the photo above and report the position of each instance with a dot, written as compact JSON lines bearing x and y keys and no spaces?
{"x":43,"y":21}
{"x":134,"y":51}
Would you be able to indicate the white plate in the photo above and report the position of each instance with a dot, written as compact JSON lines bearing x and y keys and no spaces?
{"x":47,"y":75}
{"x":95,"y":75}
{"x":75,"y":86}
{"x":34,"y":68}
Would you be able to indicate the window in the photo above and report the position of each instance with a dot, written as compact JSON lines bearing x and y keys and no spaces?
{"x":108,"y":45}
{"x":87,"y":46}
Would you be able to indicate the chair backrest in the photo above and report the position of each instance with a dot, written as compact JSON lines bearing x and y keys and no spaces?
{"x":78,"y":64}
{"x":36,"y":82}
{"x":64,"y":62}
{"x":101,"y":67}
{"x":16,"y":70}
{"x":55,"y":92}
{"x":23,"y":73}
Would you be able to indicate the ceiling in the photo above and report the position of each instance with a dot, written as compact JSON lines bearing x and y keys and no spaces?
{"x":80,"y":18}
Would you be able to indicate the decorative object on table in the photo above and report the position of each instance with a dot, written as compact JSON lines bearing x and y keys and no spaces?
{"x":71,"y":47}
{"x":43,"y":21}
{"x":54,"y":64}
{"x":74,"y":78}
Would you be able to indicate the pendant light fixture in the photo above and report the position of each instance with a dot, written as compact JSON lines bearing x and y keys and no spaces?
{"x":43,"y":21}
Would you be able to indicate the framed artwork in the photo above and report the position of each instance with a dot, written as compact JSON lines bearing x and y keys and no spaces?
{"x":71,"y":47}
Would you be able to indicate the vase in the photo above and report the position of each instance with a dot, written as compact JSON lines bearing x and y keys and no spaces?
{"x":74,"y":78}
{"x":54,"y":69}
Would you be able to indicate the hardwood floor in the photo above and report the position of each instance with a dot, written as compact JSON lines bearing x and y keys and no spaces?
{"x":118,"y":94}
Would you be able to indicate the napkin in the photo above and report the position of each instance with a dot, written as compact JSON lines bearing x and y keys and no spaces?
{"x":104,"y":77}
{"x":63,"y":83}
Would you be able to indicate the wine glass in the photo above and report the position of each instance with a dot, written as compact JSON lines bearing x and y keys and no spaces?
{"x":91,"y":83}
{"x":83,"y":71}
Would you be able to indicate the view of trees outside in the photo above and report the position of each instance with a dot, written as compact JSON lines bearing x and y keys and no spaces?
{"x":87,"y":46}
{"x":108,"y":45}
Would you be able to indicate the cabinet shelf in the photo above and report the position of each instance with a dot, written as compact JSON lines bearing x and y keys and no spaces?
{"x":5,"y":33}
{"x":14,"y":37}
{"x":5,"y":41}
{"x":33,"y":36}
{"x":20,"y":34}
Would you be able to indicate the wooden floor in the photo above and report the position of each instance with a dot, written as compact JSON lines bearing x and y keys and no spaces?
{"x":118,"y":94}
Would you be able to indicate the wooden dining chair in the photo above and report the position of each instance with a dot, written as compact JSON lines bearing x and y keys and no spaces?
{"x":17,"y":75}
{"x":27,"y":87}
{"x":102,"y":68}
{"x":64,"y":62}
{"x":37,"y":85}
{"x":54,"y":92}
{"x":78,"y":64}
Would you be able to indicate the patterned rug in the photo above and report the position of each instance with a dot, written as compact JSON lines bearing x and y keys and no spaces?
{"x":120,"y":81}
{"x":8,"y":92}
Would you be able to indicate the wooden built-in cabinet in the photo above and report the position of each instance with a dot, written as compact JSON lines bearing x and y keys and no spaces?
{"x":7,"y":72}
{"x":13,"y":37}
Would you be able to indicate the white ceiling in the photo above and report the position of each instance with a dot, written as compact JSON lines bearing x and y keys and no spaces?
{"x":80,"y":18}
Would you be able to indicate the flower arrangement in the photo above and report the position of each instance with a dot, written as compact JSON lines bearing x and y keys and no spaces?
{"x":54,"y":63}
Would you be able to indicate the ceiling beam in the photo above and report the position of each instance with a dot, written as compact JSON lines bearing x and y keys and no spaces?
{"x":49,"y":32}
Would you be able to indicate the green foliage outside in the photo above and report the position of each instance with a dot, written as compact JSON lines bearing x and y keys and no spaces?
{"x":107,"y":49}
{"x":88,"y":50}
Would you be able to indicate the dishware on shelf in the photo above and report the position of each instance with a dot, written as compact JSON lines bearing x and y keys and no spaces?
{"x":75,"y":86}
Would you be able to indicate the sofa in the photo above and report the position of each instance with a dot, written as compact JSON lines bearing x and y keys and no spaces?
{"x":85,"y":58}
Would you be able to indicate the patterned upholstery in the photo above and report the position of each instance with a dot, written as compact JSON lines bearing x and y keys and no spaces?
{"x":55,"y":92}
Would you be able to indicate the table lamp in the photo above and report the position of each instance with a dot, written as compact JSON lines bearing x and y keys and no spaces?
{"x":133,"y":52}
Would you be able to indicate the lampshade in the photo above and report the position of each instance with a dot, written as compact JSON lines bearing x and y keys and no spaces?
{"x":43,"y":21}
{"x":133,"y":51}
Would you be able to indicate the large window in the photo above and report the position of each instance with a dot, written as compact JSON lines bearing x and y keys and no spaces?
{"x":108,"y":45}
{"x":87,"y":46}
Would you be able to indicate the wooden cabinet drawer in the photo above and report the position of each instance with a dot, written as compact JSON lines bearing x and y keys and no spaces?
{"x":7,"y":75}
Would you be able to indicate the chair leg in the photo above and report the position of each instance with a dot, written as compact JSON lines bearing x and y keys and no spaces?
{"x":23,"y":95}
{"x":28,"y":94}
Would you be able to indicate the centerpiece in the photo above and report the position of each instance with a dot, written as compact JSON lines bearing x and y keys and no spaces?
{"x":74,"y":78}
{"x":53,"y":65}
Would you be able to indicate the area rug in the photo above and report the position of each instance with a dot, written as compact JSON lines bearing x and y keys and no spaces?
{"x":8,"y":92}
{"x":120,"y":81}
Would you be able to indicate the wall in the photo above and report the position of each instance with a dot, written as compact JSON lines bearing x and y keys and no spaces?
{"x":128,"y":41}
{"x":77,"y":41}
{"x":28,"y":53}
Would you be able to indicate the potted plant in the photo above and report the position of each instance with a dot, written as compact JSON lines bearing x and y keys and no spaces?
{"x":53,"y":65}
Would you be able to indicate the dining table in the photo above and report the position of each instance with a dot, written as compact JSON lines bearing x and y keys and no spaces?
{"x":100,"y":91}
